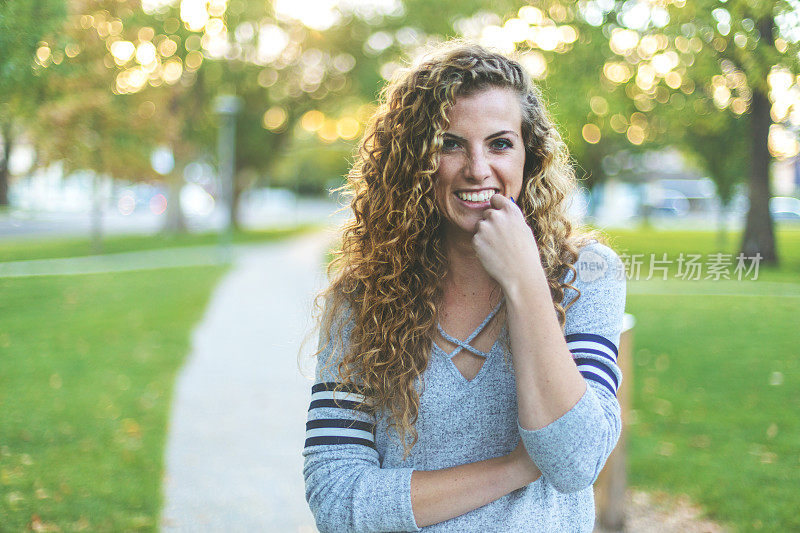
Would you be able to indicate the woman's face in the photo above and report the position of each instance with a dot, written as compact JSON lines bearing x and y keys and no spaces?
{"x":482,"y":154}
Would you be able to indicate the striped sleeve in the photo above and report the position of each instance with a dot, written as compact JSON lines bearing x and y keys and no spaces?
{"x":341,"y":428}
{"x":572,"y":450}
{"x":596,"y":357}
{"x":346,"y":488}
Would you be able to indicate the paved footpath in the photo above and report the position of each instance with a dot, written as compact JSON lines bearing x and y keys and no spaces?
{"x":237,"y":426}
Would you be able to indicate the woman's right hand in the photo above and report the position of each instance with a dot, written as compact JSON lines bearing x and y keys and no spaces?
{"x":522,"y":464}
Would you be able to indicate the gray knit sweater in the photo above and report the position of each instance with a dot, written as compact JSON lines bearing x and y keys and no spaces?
{"x":356,"y":479}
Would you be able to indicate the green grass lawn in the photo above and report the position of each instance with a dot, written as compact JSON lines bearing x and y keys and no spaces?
{"x":86,"y":379}
{"x":87,"y":367}
{"x":28,"y":249}
{"x":717,"y":385}
{"x":673,"y":243}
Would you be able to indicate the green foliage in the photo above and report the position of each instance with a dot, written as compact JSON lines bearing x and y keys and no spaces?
{"x":22,"y":26}
{"x":312,"y":168}
{"x":726,"y":47}
{"x":579,"y":95}
{"x":741,"y":32}
{"x":721,"y":144}
{"x":80,"y":122}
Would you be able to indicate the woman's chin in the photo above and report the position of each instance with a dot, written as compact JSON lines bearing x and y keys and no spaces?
{"x":464,"y":228}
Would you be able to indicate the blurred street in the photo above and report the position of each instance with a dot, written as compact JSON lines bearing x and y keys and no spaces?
{"x":617,"y":210}
{"x":20,"y":224}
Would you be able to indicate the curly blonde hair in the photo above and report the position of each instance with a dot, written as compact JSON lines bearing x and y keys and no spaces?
{"x":391,"y":261}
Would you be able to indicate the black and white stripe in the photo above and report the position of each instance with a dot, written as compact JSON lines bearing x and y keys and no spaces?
{"x":596,"y":358}
{"x":339,"y":426}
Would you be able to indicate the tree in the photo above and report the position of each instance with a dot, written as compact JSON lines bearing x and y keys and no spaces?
{"x":719,"y":56}
{"x":22,"y":27}
{"x":721,"y":144}
{"x":80,"y":122}
{"x":691,"y":60}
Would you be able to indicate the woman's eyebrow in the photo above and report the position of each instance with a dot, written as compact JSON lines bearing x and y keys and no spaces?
{"x":504,"y":132}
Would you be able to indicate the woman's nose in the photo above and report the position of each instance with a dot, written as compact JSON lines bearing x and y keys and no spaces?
{"x":479,"y":165}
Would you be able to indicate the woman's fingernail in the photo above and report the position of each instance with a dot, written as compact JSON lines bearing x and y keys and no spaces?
{"x":512,"y":199}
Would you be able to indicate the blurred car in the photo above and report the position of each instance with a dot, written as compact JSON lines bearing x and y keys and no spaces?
{"x":662,"y":201}
{"x":784,"y":208}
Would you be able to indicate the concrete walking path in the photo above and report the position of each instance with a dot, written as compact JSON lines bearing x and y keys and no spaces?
{"x":237,"y":426}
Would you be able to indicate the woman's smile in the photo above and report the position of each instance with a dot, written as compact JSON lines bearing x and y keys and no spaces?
{"x":476,"y":199}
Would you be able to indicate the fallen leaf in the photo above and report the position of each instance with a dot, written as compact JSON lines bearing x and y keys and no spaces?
{"x":37,"y":524}
{"x":772,"y":430}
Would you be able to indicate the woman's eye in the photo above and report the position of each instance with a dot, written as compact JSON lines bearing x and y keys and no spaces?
{"x":449,"y":144}
{"x":502,"y":144}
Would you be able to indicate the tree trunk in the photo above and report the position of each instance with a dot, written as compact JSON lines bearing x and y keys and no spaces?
{"x":759,"y":234}
{"x":8,"y":142}
{"x":722,"y":232}
{"x":235,"y":202}
{"x":97,"y":214}
{"x":175,"y":221}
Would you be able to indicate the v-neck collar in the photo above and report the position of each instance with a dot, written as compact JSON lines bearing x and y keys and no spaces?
{"x":465,"y":343}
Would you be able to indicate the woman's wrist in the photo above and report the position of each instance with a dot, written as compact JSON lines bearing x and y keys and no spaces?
{"x":524,"y":286}
{"x":520,"y":468}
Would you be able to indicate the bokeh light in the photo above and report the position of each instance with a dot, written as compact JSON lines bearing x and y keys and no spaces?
{"x":275,"y":118}
{"x":312,"y":120}
{"x":158,"y":204}
{"x":122,"y":51}
{"x":193,"y":60}
{"x":196,"y":201}
{"x":782,"y":143}
{"x":635,"y":134}
{"x":599,"y":105}
{"x":315,"y":14}
{"x":591,"y":133}
{"x":328,"y":132}
{"x":126,"y":203}
{"x":145,"y":53}
{"x":623,"y":41}
{"x":194,"y":14}
{"x":167,"y":47}
{"x":172,"y":71}
{"x":43,"y":53}
{"x":617,"y":72}
{"x":535,"y":63}
{"x":347,"y":128}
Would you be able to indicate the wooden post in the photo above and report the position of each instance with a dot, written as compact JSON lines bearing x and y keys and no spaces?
{"x":611,"y":484}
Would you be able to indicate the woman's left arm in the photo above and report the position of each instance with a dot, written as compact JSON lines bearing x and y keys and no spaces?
{"x":569,"y":416}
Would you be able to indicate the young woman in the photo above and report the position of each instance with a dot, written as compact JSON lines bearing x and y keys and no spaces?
{"x":467,"y":376}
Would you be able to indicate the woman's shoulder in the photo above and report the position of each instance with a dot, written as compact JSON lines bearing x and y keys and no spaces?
{"x":600,"y":279}
{"x":596,"y":262}
{"x":338,"y":314}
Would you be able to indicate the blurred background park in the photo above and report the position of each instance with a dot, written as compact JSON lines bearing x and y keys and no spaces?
{"x":149,"y":145}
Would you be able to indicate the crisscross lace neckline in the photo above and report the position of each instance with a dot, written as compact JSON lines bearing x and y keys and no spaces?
{"x":465,"y":343}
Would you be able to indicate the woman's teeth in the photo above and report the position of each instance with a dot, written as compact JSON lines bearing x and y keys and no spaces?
{"x":482,"y":196}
